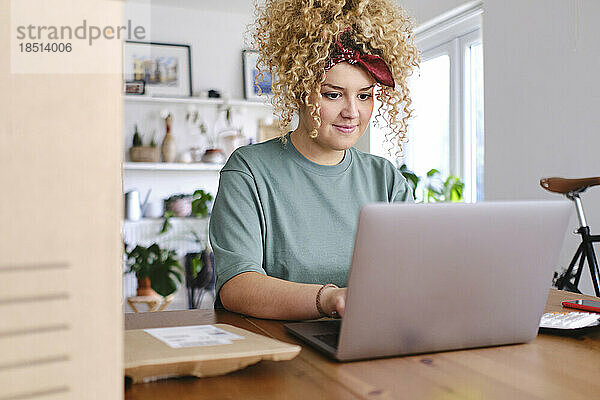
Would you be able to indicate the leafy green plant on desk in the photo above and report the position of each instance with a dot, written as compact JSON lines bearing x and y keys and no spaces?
{"x":434,"y":187}
{"x":158,"y":265}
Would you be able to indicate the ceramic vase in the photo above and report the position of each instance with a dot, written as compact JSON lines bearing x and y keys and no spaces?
{"x":168,"y":149}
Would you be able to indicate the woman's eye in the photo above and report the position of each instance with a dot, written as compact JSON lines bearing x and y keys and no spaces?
{"x":364,"y":96}
{"x":332,"y":95}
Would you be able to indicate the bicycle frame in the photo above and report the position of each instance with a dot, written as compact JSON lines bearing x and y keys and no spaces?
{"x":585,"y":252}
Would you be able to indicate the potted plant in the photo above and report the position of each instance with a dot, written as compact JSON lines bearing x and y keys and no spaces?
{"x":157,"y":270}
{"x":179,"y":205}
{"x":183,"y":205}
{"x":438,"y":189}
{"x":140,"y":153}
{"x":434,"y":187}
{"x":199,"y":266}
{"x":199,"y":275}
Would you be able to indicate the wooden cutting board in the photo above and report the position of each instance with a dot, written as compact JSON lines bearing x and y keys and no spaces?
{"x":148,"y":358}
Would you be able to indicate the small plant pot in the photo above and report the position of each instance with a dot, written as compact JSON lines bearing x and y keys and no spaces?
{"x":144,"y":154}
{"x":144,"y":288}
{"x":214,"y":156}
{"x":181,"y":207}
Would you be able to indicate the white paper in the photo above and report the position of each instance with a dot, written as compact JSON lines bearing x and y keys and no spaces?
{"x":191,"y":336}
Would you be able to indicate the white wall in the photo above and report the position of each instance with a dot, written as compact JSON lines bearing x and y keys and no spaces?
{"x":542,"y":100}
{"x":216,"y":38}
{"x":542,"y":96}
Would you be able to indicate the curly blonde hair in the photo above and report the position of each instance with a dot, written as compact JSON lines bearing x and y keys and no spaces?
{"x":295,"y":39}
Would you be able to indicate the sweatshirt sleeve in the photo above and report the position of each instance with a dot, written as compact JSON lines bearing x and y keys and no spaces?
{"x":236,"y":228}
{"x":401,"y":190}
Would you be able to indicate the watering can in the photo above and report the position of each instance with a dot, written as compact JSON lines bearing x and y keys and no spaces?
{"x":134,"y":207}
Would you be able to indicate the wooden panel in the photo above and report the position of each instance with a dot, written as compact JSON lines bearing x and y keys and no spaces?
{"x":31,"y":345}
{"x":34,"y":280}
{"x":36,"y":296}
{"x":35,"y":340}
{"x":36,"y":379}
{"x":36,"y":313}
{"x":60,"y":207}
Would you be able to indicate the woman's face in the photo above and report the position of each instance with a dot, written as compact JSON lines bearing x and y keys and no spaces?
{"x":346,"y":107}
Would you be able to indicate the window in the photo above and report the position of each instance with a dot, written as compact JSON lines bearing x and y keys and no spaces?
{"x":446,"y":131}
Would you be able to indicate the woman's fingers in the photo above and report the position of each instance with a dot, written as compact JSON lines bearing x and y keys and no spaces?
{"x":340,"y":301}
{"x":341,"y":304}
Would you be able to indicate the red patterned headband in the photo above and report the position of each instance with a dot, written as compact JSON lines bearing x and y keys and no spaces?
{"x":374,"y":64}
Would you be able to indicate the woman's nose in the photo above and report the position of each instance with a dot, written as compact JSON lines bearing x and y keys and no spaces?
{"x":350,"y":109}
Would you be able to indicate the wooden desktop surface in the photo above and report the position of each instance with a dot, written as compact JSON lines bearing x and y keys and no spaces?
{"x":550,"y":367}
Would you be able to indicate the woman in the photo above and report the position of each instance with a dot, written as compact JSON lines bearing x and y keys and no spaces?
{"x":284,"y":218}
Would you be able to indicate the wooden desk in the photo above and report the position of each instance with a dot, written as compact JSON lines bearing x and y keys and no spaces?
{"x":550,"y":367}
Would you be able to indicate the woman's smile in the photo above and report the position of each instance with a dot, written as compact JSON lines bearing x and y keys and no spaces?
{"x":345,"y":129}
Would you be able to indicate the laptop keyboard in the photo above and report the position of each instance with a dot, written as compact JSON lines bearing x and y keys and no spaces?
{"x":331,"y":339}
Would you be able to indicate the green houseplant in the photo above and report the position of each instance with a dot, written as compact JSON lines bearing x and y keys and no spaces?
{"x":199,"y":266}
{"x":140,"y":153}
{"x":199,"y":275}
{"x":200,"y":201}
{"x":411,"y":178}
{"x":438,"y":189}
{"x":434,"y":187}
{"x":156,"y":265}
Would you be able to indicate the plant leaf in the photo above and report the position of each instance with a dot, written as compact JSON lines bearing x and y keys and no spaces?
{"x":432,"y":172}
{"x":167,"y":222}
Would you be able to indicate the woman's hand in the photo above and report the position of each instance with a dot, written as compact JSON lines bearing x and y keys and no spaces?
{"x":333,"y":299}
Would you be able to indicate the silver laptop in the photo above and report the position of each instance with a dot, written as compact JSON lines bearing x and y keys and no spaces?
{"x":428,"y":278}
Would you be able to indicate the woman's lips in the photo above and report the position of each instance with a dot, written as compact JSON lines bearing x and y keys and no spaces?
{"x":345,"y":128}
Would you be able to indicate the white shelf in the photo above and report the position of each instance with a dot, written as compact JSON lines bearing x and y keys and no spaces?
{"x":194,"y":100}
{"x":145,"y":166}
{"x":176,"y":220}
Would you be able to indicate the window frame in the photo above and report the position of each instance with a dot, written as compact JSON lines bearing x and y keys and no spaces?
{"x":452,"y":34}
{"x":469,"y":145}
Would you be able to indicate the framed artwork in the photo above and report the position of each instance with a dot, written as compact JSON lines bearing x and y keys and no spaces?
{"x":135,"y":87}
{"x":165,"y":68}
{"x":249,"y":59}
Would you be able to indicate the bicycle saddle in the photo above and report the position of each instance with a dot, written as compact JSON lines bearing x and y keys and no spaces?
{"x":564,"y":185}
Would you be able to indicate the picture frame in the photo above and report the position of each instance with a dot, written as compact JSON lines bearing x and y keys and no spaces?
{"x":251,"y":92}
{"x":165,"y":68}
{"x":136,"y":88}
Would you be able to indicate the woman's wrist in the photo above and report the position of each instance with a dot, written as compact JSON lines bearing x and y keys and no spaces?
{"x":324,"y":307}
